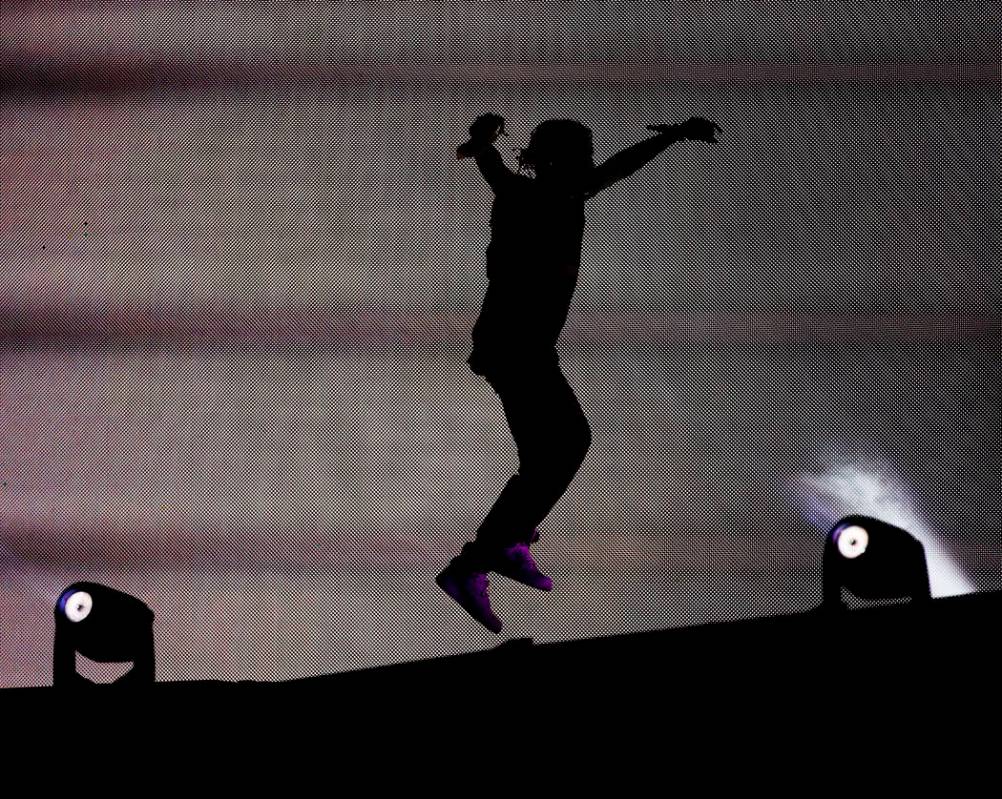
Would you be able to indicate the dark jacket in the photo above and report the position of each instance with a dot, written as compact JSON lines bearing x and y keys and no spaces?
{"x":535,"y":253}
{"x":532,"y":267}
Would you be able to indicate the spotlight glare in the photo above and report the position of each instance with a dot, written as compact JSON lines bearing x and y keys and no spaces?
{"x":852,"y":541}
{"x":78,"y":606}
{"x":847,"y":489}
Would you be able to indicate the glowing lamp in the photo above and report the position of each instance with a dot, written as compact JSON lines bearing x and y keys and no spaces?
{"x":873,"y":560}
{"x":104,"y":625}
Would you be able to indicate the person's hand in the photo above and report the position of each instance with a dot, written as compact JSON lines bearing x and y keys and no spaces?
{"x":694,"y":129}
{"x":487,"y":127}
{"x":484,"y":130}
{"x":699,"y":129}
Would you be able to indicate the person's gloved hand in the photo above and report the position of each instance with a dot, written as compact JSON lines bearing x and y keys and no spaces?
{"x":487,"y":127}
{"x":694,"y":129}
{"x":484,"y":130}
{"x":699,"y":129}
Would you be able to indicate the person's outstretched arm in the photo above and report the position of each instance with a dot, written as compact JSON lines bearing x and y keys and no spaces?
{"x":626,"y":162}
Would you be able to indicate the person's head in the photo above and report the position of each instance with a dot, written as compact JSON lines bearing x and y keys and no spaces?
{"x":559,"y":150}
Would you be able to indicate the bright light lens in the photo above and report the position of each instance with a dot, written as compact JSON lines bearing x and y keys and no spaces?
{"x":852,"y":541}
{"x":78,"y":606}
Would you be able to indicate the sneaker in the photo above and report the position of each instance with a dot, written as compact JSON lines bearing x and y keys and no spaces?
{"x":469,"y":589}
{"x":516,"y":562}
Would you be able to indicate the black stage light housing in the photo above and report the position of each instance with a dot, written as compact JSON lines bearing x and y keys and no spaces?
{"x":104,"y":625}
{"x":874,"y":560}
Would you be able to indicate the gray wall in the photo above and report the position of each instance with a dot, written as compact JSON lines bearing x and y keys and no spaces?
{"x":239,"y":392}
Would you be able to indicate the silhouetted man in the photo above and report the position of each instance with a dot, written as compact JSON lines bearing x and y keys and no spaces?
{"x":533,"y":258}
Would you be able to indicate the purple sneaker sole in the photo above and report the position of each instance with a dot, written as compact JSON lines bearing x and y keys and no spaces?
{"x":469,"y":590}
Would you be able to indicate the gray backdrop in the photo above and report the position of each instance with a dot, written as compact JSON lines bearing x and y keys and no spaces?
{"x":241,"y":265}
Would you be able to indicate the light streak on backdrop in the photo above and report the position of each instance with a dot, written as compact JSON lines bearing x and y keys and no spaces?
{"x":848,"y":489}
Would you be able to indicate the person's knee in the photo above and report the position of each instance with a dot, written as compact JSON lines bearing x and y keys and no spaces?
{"x":556,"y":456}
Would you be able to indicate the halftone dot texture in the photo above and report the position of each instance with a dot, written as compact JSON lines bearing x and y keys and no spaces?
{"x":243,"y":398}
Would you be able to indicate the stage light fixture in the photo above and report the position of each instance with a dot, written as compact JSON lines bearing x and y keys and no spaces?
{"x":104,"y":625}
{"x":873,"y":560}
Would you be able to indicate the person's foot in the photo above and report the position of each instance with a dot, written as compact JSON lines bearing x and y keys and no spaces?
{"x":516,"y":562}
{"x":469,"y":589}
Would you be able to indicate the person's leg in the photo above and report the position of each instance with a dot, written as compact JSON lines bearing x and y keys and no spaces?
{"x":552,"y":436}
{"x":560,"y":441}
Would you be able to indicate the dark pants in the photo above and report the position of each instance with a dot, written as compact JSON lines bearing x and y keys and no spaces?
{"x":552,"y":436}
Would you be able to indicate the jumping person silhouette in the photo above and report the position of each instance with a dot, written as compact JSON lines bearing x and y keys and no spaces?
{"x":533,"y":259}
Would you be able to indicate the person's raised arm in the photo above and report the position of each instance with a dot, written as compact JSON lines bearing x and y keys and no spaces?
{"x":626,"y":162}
{"x":493,"y":168}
